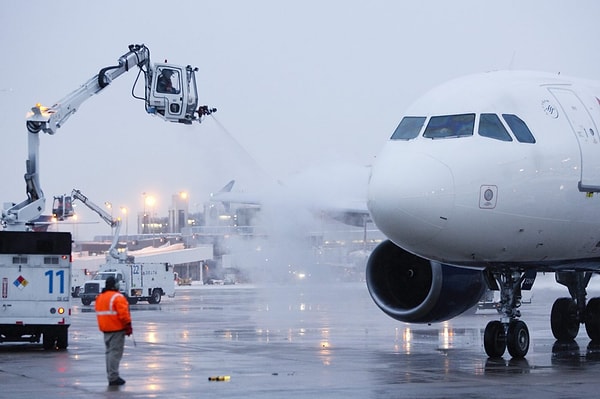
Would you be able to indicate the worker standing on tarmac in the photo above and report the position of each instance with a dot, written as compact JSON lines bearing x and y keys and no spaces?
{"x":114,"y":320}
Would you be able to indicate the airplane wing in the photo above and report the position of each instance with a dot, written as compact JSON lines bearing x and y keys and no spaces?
{"x":352,"y":215}
{"x":335,"y":192}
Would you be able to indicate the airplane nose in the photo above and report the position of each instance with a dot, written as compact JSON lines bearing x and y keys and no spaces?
{"x":410,"y":208}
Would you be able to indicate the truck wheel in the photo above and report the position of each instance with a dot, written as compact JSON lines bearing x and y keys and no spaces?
{"x":155,"y":298}
{"x":62,"y":341}
{"x":132,"y":300}
{"x":86,"y":301}
{"x":48,"y":340}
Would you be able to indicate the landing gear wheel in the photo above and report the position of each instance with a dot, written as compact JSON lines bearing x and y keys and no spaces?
{"x":592,"y":319}
{"x":517,"y":340}
{"x":494,"y":339}
{"x":563,"y":319}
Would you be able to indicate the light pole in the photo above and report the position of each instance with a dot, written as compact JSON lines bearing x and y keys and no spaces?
{"x":124,"y":212}
{"x":181,"y":212}
{"x":144,"y":216}
{"x":150,"y":201}
{"x":109,"y":206}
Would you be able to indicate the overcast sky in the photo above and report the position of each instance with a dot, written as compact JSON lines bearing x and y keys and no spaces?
{"x":297,"y":84}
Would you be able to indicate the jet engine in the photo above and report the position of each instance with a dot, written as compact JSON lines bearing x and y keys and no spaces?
{"x":415,"y":290}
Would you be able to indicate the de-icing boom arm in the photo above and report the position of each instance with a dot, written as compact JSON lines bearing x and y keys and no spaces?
{"x":179,"y":106}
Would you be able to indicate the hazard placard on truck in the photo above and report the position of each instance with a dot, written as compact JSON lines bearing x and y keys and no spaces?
{"x":35,"y":273}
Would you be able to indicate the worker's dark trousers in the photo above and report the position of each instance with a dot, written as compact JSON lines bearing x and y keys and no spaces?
{"x":114,"y":342}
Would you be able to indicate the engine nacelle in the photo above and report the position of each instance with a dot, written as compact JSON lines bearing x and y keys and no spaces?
{"x":414,"y":290}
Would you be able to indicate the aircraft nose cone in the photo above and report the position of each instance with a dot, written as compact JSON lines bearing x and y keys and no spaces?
{"x":410,"y":199}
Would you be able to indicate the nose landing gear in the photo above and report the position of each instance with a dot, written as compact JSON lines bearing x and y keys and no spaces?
{"x":510,"y":332}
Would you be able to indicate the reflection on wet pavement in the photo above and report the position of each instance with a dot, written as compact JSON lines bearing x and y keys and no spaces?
{"x":304,"y":340}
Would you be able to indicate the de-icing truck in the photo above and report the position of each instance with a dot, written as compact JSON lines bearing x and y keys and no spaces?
{"x":137,"y":281}
{"x":35,"y":265}
{"x":35,"y":301}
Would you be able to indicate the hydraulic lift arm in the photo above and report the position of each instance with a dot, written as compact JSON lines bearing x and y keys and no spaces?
{"x":64,"y":209}
{"x":170,"y":92}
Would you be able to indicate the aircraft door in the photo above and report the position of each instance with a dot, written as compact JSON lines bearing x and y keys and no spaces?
{"x":587,"y":135}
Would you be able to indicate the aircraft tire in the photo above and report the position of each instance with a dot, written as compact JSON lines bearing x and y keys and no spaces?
{"x":592,"y":319}
{"x":563,"y":319}
{"x":494,"y":339}
{"x":517,"y":340}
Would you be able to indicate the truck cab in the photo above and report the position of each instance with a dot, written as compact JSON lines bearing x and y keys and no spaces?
{"x":173,"y":93}
{"x":94,"y":287}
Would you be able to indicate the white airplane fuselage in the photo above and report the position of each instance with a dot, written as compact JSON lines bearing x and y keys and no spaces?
{"x":473,"y":200}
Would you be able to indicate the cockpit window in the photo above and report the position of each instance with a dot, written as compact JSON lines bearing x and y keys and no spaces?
{"x":491,"y":126}
{"x":450,"y":126}
{"x":519,"y":128}
{"x":409,"y":128}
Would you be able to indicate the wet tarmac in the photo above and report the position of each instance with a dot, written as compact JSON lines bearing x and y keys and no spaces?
{"x":306,"y":340}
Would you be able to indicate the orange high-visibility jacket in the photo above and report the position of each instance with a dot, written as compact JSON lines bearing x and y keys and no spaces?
{"x":112,"y":311}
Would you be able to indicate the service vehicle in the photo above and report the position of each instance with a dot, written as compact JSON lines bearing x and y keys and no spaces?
{"x":35,"y":273}
{"x":35,"y":265}
{"x":179,"y":105}
{"x":62,"y":209}
{"x":137,"y":281}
